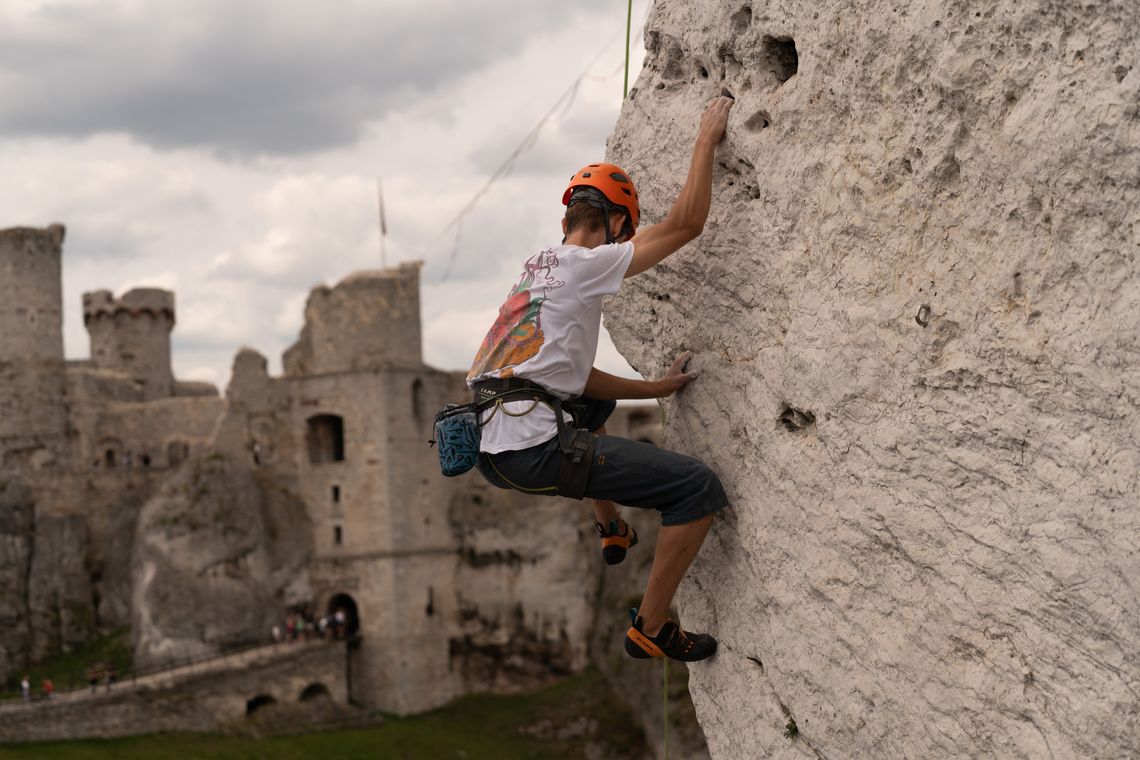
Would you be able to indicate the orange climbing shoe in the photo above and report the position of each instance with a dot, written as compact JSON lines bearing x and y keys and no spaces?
{"x":614,"y":544}
{"x":670,"y":642}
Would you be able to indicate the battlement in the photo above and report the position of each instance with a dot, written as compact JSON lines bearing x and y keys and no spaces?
{"x":19,"y":237}
{"x":152,"y":301}
{"x":131,"y":335}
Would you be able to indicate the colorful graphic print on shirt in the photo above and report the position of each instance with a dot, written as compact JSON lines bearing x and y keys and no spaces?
{"x":517,"y":333}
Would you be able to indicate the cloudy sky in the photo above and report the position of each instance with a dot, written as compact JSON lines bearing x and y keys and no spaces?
{"x":230,"y":151}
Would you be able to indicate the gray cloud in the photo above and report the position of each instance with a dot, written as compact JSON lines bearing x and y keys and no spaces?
{"x":249,"y":78}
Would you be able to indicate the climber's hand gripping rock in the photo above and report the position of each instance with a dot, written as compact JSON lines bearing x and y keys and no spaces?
{"x":677,"y":378}
{"x":715,"y":119}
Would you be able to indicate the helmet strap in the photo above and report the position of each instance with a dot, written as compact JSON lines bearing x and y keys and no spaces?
{"x":599,"y":201}
{"x":606,"y":221}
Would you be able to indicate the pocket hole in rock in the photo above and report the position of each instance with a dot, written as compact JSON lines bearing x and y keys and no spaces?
{"x":796,"y":420}
{"x":758,"y":121}
{"x":923,"y":315}
{"x":780,"y":57}
{"x":742,"y":19}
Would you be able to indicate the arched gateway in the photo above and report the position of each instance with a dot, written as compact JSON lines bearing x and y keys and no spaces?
{"x":346,"y":606}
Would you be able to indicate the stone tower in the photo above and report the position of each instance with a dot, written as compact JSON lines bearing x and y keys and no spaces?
{"x":383,"y":549}
{"x":33,"y":420}
{"x":131,"y":335}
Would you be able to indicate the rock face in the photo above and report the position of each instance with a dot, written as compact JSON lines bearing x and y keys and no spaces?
{"x":917,"y":316}
{"x":527,"y":581}
{"x":60,"y":600}
{"x":214,"y":552}
{"x":17,"y":516}
{"x":46,"y":598}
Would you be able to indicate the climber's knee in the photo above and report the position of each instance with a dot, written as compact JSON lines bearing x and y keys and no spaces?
{"x":703,"y":495}
{"x":639,"y":474}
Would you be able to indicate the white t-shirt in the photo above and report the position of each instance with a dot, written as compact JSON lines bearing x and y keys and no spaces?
{"x":547,"y":332}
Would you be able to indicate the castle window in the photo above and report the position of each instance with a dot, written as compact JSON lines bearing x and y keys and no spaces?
{"x":110,"y":452}
{"x":338,"y":536}
{"x":325,"y":438}
{"x":336,"y":494}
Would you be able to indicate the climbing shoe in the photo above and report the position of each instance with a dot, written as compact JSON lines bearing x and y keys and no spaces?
{"x":670,"y":641}
{"x":614,"y":544}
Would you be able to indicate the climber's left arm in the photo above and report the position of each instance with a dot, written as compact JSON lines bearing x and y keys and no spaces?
{"x":606,"y":387}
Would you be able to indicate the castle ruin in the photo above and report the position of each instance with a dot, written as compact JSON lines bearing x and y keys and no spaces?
{"x":130,"y":498}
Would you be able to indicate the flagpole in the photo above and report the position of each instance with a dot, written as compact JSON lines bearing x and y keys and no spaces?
{"x":383,"y":226}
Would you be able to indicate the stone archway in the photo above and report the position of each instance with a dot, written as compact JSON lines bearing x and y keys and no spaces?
{"x":351,"y":625}
{"x":313,"y":691}
{"x":258,"y":702}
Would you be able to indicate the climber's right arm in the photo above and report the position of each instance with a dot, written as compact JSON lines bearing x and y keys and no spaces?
{"x":686,"y":219}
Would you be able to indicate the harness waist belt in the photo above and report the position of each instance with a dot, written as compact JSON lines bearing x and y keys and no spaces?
{"x":577,"y":445}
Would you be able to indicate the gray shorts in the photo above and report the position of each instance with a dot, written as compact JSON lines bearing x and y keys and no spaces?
{"x":631,"y":473}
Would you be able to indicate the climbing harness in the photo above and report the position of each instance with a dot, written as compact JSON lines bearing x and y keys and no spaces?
{"x":457,"y":431}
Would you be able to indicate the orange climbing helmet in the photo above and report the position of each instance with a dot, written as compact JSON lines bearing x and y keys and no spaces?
{"x":608,"y":187}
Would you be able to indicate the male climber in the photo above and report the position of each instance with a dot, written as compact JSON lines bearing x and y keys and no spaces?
{"x":543,"y":344}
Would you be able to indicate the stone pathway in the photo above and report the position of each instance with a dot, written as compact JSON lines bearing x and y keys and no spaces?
{"x":172,"y":676}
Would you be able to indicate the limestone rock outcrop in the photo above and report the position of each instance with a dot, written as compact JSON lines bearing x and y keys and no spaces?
{"x":527,"y":580}
{"x":215,"y":551}
{"x":46,"y":596}
{"x":17,"y":516}
{"x":916,"y":312}
{"x":61,"y":608}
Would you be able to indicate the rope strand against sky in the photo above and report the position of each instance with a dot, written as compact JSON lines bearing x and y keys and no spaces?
{"x":561,"y":106}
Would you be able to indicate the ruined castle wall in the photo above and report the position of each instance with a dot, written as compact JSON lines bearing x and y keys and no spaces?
{"x":33,"y":421}
{"x":131,"y":335}
{"x":916,"y":314}
{"x":258,"y":425}
{"x":368,"y":321}
{"x":159,"y":433}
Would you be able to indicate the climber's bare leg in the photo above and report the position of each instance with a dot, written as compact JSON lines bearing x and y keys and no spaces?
{"x":605,"y":511}
{"x":676,"y":547}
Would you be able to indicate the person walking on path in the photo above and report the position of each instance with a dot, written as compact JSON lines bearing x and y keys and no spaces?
{"x":26,"y":688}
{"x":544,"y":343}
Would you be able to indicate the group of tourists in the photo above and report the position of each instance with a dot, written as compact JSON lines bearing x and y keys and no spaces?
{"x":301,"y":624}
{"x":47,"y":688}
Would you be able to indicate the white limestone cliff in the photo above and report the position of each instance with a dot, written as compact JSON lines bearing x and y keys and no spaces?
{"x":916,"y":313}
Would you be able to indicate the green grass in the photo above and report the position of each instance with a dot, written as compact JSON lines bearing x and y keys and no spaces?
{"x":471,"y":728}
{"x":69,"y":670}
